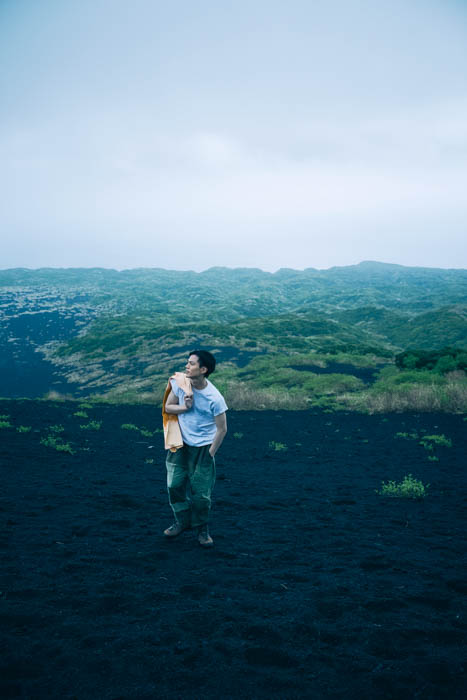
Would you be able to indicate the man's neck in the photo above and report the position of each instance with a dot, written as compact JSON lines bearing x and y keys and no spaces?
{"x":199,"y":383}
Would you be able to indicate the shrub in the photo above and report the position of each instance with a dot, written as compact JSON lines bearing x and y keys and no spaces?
{"x":278,"y":446}
{"x":145,"y":432}
{"x":429,"y":440}
{"x":441,"y":361}
{"x":238,"y":436}
{"x":92,"y":425}
{"x":56,"y":444}
{"x":407,"y":488}
{"x":5,"y":424}
{"x":81,"y":414}
{"x":24,"y":429}
{"x":56,"y":429}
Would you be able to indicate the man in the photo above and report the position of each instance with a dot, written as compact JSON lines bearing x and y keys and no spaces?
{"x":203,"y":426}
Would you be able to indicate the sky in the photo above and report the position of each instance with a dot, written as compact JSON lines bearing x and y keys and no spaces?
{"x":258,"y":133}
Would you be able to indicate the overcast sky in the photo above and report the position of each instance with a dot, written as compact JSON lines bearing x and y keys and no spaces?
{"x":292,"y":133}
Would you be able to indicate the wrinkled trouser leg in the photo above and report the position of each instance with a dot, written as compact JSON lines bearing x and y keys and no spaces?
{"x":191,"y":467}
{"x":177,"y":482}
{"x":202,"y":480}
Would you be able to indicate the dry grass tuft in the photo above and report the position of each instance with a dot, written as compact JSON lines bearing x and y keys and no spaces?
{"x":450,"y":397}
{"x":244,"y":397}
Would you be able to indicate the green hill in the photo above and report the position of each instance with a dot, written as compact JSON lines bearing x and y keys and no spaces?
{"x":309,"y":336}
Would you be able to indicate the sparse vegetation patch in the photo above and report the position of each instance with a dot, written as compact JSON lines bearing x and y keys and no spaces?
{"x":278,"y":446}
{"x":92,"y":425}
{"x":56,"y":444}
{"x":409,"y":487}
{"x":428,"y":441}
{"x":143,"y":431}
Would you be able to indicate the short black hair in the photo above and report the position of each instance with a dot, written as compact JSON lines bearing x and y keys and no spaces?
{"x":206,"y":359}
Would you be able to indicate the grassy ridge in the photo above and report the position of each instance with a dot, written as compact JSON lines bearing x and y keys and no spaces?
{"x":291,"y":339}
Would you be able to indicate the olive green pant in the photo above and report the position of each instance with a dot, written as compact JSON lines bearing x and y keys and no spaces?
{"x":191,"y":474}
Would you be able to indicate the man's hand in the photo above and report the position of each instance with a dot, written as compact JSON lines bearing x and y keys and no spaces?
{"x":173,"y":407}
{"x":221,"y":425}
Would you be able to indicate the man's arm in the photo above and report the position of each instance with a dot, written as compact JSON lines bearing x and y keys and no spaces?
{"x":172,"y":406}
{"x":221,"y":425}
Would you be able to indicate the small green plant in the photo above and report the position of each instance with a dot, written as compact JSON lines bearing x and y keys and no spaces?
{"x":428,"y":441}
{"x":149,"y":461}
{"x":57,"y":429}
{"x":23,"y":429}
{"x":238,"y":436}
{"x":85,"y":406}
{"x":407,"y":488}
{"x":278,"y":446}
{"x":5,"y":423}
{"x":407,"y":436}
{"x":92,"y":425}
{"x":144,"y":431}
{"x":81,"y":414}
{"x":57,"y":444}
{"x":433,"y":458}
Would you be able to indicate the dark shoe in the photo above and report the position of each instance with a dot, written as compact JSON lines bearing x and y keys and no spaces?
{"x":175,"y":530}
{"x":204,"y":538}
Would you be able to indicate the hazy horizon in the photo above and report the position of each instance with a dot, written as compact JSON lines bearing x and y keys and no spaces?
{"x":227,"y":267}
{"x":263,"y":134}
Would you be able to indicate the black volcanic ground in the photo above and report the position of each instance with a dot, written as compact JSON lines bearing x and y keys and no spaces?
{"x":317,"y":587}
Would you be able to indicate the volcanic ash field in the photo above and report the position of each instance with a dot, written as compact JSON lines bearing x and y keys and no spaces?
{"x":317,"y":586}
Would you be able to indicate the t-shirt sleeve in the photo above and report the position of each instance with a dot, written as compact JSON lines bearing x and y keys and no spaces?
{"x":176,"y":389}
{"x":219,"y":406}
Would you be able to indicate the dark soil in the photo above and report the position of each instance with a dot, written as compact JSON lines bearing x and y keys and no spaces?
{"x":24,"y":372}
{"x":317,"y":587}
{"x":366,"y":374}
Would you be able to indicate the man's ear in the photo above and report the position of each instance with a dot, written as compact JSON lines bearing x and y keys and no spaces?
{"x":203,"y":369}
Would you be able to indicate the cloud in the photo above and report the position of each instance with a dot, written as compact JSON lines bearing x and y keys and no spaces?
{"x":117,"y":181}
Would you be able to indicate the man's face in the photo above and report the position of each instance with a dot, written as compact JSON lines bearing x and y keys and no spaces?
{"x":192,"y":369}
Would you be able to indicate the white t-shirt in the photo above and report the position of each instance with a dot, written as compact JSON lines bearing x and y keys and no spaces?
{"x":197,"y":425}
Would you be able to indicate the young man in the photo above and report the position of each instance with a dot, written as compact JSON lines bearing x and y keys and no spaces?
{"x":203,"y":425}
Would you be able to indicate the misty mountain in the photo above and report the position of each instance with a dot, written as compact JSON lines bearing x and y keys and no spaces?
{"x":84,"y":331}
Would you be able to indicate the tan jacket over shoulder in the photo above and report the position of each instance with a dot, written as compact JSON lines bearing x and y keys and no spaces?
{"x":172,"y":434}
